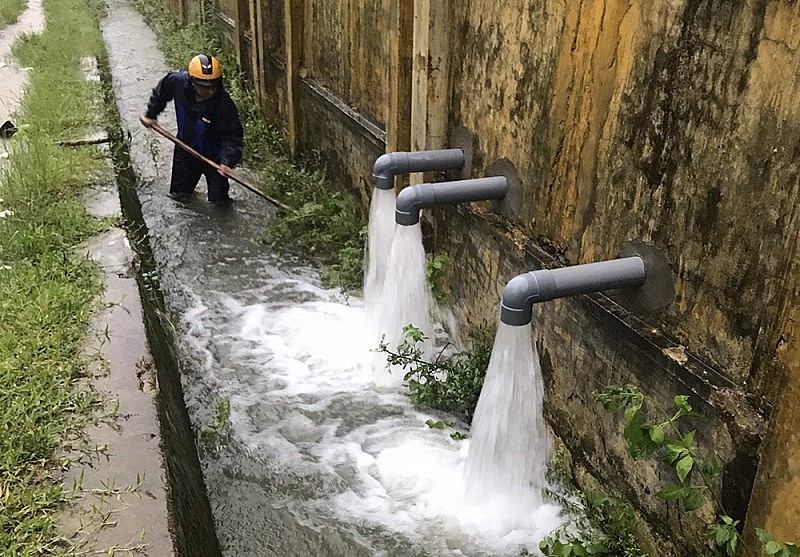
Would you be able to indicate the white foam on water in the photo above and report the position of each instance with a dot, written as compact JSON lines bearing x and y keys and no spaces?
{"x":295,"y":361}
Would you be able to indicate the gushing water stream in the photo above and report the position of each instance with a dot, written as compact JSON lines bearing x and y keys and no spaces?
{"x":381,"y":233}
{"x":406,"y":300}
{"x":506,"y":465}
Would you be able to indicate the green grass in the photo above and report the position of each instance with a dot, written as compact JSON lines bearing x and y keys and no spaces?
{"x":10,"y":11}
{"x":47,"y":289}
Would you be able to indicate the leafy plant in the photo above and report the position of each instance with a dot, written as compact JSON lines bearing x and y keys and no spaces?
{"x":452,"y":383}
{"x":597,"y":524}
{"x":221,"y":416}
{"x":644,"y":439}
{"x":325,"y":225}
{"x":438,"y":424}
{"x":434,"y":275}
{"x":678,"y":450}
{"x":772,"y":547}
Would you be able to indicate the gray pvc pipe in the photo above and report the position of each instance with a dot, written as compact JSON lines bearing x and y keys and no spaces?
{"x":423,"y":196}
{"x":388,"y":166}
{"x":524,"y":290}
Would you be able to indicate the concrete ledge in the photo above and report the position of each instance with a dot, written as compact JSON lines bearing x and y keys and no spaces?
{"x":118,"y":483}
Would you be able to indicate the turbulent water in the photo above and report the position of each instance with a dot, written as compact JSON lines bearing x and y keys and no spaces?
{"x":318,"y":458}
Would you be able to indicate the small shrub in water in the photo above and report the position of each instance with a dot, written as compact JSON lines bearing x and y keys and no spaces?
{"x":452,"y":384}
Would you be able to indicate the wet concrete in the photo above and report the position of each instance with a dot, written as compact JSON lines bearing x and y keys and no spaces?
{"x":13,"y":76}
{"x":120,"y":497}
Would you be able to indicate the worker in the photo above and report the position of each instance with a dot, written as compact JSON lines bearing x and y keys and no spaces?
{"x":208,"y":121}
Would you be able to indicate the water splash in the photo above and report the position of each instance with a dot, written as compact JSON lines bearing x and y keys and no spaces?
{"x":314,"y":460}
{"x":509,"y":448}
{"x":407,"y":300}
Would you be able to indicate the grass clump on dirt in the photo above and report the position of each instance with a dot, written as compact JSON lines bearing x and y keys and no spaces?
{"x":47,"y":288}
{"x":10,"y":11}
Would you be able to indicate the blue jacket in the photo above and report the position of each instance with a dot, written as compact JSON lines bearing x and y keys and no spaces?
{"x":212,"y":127}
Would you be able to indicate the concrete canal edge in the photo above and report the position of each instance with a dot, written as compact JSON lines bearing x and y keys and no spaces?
{"x":136,"y":478}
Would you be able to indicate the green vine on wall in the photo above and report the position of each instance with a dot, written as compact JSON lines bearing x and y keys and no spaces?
{"x":664,"y":437}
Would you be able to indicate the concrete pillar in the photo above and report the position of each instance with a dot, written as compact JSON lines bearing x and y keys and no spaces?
{"x":400,"y":42}
{"x":775,"y":502}
{"x":429,"y":84}
{"x":293,"y":35}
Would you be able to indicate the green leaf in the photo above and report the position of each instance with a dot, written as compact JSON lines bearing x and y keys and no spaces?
{"x":763,"y":536}
{"x":682,"y":402}
{"x":672,"y":493}
{"x":723,"y":535}
{"x":684,"y":467}
{"x":656,"y":434}
{"x":773,"y":547}
{"x":693,"y":499}
{"x":676,"y":453}
{"x":732,"y":545}
{"x":635,"y":432}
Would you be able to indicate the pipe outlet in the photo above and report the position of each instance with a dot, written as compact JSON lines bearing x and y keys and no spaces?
{"x":524,"y":290}
{"x":423,"y":196}
{"x":388,"y":166}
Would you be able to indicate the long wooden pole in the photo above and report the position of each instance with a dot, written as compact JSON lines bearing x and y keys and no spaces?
{"x":157,"y":127}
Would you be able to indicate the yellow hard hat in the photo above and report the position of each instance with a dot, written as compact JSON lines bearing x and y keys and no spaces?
{"x":205,"y":67}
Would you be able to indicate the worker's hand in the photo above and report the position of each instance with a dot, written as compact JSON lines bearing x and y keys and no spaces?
{"x":225,"y":170}
{"x":148,"y":122}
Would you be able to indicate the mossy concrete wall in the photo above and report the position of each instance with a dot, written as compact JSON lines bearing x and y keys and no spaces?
{"x":673,"y":123}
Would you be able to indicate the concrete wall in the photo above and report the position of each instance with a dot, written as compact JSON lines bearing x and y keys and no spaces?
{"x":673,"y":123}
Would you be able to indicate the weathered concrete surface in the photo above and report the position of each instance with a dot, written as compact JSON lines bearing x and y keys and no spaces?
{"x":649,"y":121}
{"x":120,"y":497}
{"x":777,"y":488}
{"x":346,"y":140}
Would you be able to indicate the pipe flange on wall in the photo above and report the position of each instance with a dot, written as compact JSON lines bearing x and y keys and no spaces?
{"x":461,"y":138}
{"x":509,"y":205}
{"x":658,"y":290}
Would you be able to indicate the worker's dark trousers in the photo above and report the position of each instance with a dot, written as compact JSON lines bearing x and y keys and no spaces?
{"x":186,"y":172}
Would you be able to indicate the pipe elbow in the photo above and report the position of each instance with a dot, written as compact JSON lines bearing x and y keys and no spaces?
{"x":386,"y":167}
{"x":409,"y":203}
{"x":521,"y":292}
{"x":389,"y":165}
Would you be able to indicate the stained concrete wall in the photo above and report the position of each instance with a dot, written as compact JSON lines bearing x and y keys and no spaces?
{"x":674,"y":123}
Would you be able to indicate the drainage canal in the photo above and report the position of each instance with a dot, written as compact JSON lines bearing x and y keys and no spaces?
{"x":315,"y":458}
